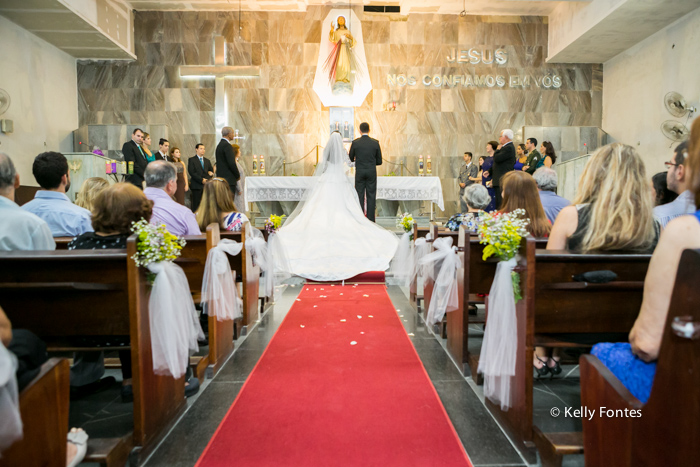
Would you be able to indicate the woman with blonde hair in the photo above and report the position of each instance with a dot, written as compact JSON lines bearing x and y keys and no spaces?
{"x":217,"y":207}
{"x":612,"y":210}
{"x":520,"y":192}
{"x":89,"y":191}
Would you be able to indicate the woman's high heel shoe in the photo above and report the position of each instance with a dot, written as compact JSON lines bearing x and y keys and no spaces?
{"x":541,"y":371}
{"x":554,"y":370}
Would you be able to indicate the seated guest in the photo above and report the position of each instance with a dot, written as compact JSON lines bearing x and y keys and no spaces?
{"x":476,"y":198}
{"x":659,"y":190}
{"x":19,"y":229}
{"x":51,"y":204}
{"x":609,"y":215}
{"x":116,"y":209}
{"x":161,"y":185}
{"x":552,"y":203}
{"x":217,"y":207}
{"x":90,"y":189}
{"x":549,"y":157}
{"x":633,"y":363}
{"x":520,"y":192}
{"x":677,"y":183}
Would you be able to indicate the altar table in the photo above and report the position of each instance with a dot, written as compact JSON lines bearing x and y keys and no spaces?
{"x":291,"y":188}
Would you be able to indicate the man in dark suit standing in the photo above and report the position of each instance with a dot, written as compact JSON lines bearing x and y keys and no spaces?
{"x":201,"y":171}
{"x":226,"y":167}
{"x":132,"y":152}
{"x":503,"y":162}
{"x":367,"y":155}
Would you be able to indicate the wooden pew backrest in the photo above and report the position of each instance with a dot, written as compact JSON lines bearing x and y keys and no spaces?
{"x":44,"y":410}
{"x":668,"y":430}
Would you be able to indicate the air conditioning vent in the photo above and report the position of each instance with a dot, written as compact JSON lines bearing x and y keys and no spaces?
{"x":383,"y":8}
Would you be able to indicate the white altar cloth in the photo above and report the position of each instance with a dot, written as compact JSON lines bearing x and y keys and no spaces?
{"x":291,"y":188}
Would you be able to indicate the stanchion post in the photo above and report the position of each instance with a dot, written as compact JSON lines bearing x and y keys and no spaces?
{"x":317,"y":154}
{"x":284,"y":168}
{"x":402,"y":168}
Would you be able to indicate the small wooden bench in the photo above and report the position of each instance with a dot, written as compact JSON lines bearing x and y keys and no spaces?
{"x":667,"y":431}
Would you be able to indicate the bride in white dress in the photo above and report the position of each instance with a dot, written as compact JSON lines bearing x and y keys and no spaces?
{"x":328,"y":237}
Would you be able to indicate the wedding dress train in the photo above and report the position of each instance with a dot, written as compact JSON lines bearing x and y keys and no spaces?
{"x":328,"y":237}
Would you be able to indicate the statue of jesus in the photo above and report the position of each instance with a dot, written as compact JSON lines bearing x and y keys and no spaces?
{"x":341,"y":60}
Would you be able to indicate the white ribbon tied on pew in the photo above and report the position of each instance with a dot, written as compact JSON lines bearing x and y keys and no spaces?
{"x":445,"y":297}
{"x":219,"y":293}
{"x":498,"y":351}
{"x":10,"y":419}
{"x":402,"y":264}
{"x":421,"y":248}
{"x":174,"y":322}
{"x":270,"y":258}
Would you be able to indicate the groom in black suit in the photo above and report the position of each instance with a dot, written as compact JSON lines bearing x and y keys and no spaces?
{"x":201,"y":171}
{"x":367,"y":155}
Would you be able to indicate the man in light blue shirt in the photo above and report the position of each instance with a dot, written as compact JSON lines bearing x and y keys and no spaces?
{"x":19,"y":230}
{"x":552,"y":203}
{"x":161,"y":185}
{"x":677,"y":182}
{"x":51,"y":204}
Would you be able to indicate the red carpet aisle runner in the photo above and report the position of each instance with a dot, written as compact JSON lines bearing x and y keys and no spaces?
{"x":339,"y":384}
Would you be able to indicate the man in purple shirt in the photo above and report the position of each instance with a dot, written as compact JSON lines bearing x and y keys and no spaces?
{"x":552,"y":203}
{"x":161,"y":185}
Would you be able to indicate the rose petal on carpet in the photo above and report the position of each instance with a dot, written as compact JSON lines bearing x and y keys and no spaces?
{"x":339,"y":384}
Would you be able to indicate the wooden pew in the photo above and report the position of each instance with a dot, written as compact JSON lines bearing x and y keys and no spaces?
{"x":193,"y":261}
{"x":64,"y":295}
{"x":437,"y":232}
{"x":62,"y":242}
{"x":668,"y":429}
{"x":249,"y":272}
{"x":553,"y":303}
{"x":44,"y":410}
{"x":474,"y":278}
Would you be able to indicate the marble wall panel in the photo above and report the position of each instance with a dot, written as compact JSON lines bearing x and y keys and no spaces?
{"x":280,"y":116}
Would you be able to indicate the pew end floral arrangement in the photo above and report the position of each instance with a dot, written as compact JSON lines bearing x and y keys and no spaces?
{"x":155,"y":244}
{"x":406,"y":222}
{"x":273,"y":223}
{"x":502,"y":234}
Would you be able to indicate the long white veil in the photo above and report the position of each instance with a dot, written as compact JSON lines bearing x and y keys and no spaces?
{"x":327,"y":236}
{"x":333,"y":161}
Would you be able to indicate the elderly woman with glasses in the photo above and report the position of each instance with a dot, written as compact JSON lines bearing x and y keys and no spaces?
{"x":217,"y":206}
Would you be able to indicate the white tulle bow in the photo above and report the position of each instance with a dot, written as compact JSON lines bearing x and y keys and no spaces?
{"x":445,"y":297}
{"x":174,"y":322}
{"x":402,"y":269}
{"x":271,"y":259}
{"x":421,"y":248}
{"x":498,"y":351}
{"x":10,"y":419}
{"x":219,"y":293}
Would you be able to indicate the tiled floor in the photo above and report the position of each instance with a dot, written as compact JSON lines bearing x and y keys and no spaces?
{"x":483,"y":439}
